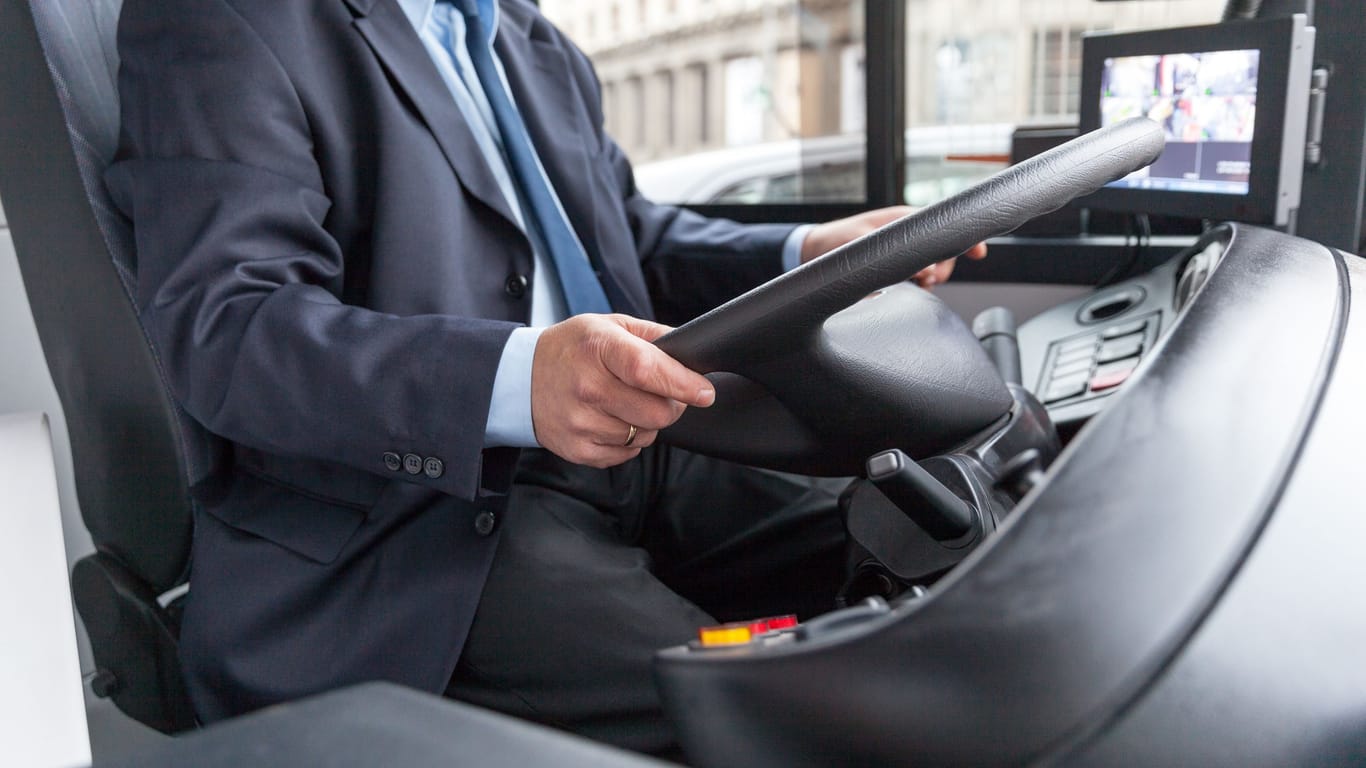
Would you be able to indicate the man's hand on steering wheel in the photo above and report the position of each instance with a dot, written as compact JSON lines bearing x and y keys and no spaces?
{"x":600,"y":391}
{"x":826,"y":237}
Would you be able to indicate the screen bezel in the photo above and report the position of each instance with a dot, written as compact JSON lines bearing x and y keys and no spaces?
{"x":1273,"y":38}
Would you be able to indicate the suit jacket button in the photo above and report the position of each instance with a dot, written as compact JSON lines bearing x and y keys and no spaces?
{"x":412,"y":464}
{"x":433,"y":467}
{"x":484,"y":523}
{"x":516,"y":286}
{"x":392,"y":462}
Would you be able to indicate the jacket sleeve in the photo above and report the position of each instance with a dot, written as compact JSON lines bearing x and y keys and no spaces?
{"x":238,"y":279}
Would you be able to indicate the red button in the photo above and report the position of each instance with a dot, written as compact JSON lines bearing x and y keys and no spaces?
{"x":1110,"y":380}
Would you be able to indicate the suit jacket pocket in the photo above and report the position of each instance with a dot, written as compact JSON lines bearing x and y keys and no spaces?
{"x":307,"y":524}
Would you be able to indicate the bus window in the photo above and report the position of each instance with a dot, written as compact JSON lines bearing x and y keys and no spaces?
{"x":701,"y":81}
{"x":745,"y":102}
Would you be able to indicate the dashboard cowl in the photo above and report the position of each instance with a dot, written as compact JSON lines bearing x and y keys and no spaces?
{"x":1043,"y":638}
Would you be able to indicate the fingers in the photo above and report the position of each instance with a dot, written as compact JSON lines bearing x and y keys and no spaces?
{"x":594,"y":377}
{"x":645,"y":367}
{"x":826,"y":237}
{"x":878,"y":217}
{"x":643,"y":410}
{"x":934,"y":274}
{"x":601,"y":435}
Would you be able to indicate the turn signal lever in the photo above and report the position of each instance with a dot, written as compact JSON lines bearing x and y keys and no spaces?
{"x":920,"y":496}
{"x":995,"y":328}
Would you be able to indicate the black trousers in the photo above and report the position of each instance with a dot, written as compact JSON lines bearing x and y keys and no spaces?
{"x":598,"y":569}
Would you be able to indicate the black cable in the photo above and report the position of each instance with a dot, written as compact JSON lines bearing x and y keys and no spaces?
{"x":1145,"y":228}
{"x":1131,"y":254}
{"x":1123,"y":259}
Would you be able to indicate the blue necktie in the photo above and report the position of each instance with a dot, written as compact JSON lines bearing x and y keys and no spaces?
{"x":582,"y":291}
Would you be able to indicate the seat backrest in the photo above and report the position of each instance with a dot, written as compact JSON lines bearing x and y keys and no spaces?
{"x":132,"y":448}
{"x":59,"y":122}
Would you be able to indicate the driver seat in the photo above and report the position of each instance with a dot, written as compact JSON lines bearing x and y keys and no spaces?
{"x":133,"y":450}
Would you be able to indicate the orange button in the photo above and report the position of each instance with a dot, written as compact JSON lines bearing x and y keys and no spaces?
{"x":726,"y":634}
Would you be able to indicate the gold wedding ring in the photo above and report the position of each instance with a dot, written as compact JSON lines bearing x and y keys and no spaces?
{"x":630,"y":436}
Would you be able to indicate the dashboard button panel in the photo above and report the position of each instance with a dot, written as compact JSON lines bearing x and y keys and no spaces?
{"x":1096,"y":363}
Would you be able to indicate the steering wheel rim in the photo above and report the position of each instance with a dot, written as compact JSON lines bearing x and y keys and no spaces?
{"x":752,"y":340}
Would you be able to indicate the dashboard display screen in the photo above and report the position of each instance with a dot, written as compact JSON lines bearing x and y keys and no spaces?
{"x":1207,"y":102}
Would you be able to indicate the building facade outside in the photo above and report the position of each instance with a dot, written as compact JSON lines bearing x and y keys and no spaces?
{"x":683,"y":77}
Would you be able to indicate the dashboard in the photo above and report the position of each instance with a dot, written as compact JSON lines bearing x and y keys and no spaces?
{"x":1197,"y":541}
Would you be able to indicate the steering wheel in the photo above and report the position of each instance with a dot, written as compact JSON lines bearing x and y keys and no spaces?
{"x":838,"y":359}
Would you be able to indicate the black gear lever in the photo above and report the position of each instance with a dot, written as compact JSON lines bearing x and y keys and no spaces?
{"x":920,"y":496}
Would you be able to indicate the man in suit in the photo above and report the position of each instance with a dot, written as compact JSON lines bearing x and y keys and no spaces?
{"x":346,"y":266}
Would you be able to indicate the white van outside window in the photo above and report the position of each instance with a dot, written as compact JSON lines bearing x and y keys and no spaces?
{"x":940,"y":161}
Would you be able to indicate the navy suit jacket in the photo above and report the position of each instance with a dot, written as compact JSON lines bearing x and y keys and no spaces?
{"x":328,"y":272}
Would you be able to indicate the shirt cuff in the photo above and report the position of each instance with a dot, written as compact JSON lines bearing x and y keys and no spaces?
{"x":509,"y":423}
{"x":792,"y":247}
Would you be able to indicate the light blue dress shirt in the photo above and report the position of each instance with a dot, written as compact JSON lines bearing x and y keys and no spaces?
{"x":442,"y":30}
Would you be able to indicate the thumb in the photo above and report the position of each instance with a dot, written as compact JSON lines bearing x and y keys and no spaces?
{"x":644,"y":329}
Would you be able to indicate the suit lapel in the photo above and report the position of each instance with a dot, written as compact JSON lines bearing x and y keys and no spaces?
{"x":552,"y":108}
{"x":548,"y":101}
{"x":391,"y":37}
